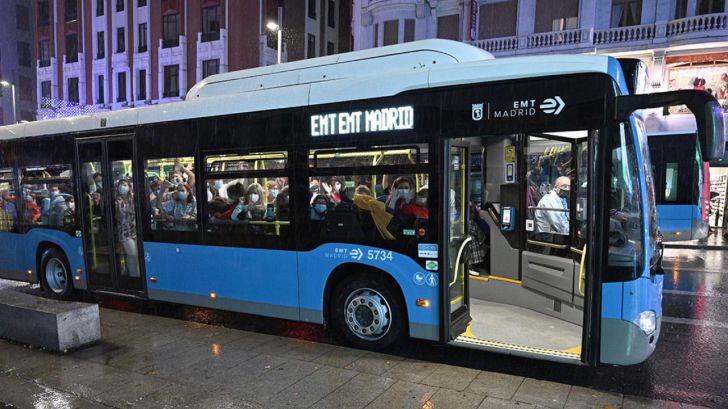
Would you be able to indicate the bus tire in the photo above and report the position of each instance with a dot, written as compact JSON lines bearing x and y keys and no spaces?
{"x":368,"y":312}
{"x":55,"y":274}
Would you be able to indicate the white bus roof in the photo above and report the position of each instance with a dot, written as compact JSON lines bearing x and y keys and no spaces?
{"x":358,"y":75}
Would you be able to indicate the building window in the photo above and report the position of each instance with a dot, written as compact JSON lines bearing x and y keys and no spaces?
{"x":121,"y":87}
{"x":210,"y":67}
{"x":170,"y":30}
{"x":23,"y":54}
{"x":72,"y":48}
{"x":497,"y":19}
{"x":100,"y":7}
{"x":681,"y":9}
{"x":142,"y":92}
{"x":710,"y":6}
{"x":391,"y":32}
{"x":120,"y":40}
{"x":100,"y":89}
{"x":330,"y":48}
{"x":311,"y":46}
{"x":45,"y":94}
{"x":312,"y":9}
{"x":100,"y":45}
{"x":376,"y":35}
{"x":211,"y":23}
{"x":626,"y":13}
{"x":44,"y":13}
{"x":556,"y":15}
{"x":331,"y":14}
{"x":26,"y":88}
{"x":120,"y":5}
{"x":44,"y":53}
{"x":73,"y":90}
{"x":22,"y":17}
{"x":171,"y":81}
{"x":409,"y":30}
{"x":141,"y":3}
{"x":70,"y":10}
{"x":142,"y":37}
{"x":448,"y":27}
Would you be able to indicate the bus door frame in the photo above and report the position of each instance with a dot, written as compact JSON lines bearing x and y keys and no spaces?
{"x":138,"y":191}
{"x":454,"y":324}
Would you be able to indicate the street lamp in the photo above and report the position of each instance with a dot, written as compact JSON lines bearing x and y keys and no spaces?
{"x":278,"y":28}
{"x":12,"y":92}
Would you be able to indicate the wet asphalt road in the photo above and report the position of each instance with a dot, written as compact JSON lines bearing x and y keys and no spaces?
{"x":690,"y":363}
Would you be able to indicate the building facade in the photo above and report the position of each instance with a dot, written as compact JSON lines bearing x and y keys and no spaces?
{"x":683,"y":42}
{"x":113,"y":54}
{"x":16,"y":62}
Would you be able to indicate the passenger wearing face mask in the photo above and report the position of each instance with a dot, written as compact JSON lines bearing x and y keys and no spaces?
{"x":334,"y":189}
{"x":272,"y":190}
{"x":181,"y":209}
{"x":417,"y":209}
{"x":256,"y":202}
{"x":554,"y":218}
{"x":126,"y":227}
{"x":319,"y":208}
{"x":401,"y":193}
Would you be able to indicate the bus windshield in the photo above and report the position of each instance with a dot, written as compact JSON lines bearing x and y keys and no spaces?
{"x":650,"y":185}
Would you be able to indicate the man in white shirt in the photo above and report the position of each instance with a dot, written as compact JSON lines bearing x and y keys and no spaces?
{"x":552,"y":219}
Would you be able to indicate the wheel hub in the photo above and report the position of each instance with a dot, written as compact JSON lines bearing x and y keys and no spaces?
{"x":56,"y":276}
{"x":367,"y":314}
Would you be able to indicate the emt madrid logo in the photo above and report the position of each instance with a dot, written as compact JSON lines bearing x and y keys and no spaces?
{"x":477,"y":112}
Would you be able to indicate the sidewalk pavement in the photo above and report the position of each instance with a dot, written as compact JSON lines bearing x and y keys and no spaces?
{"x":147,"y":361}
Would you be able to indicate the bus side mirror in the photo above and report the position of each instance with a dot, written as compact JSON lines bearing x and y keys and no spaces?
{"x":708,"y":115}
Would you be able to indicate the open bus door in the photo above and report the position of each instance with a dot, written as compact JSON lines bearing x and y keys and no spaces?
{"x":454,"y":198}
{"x":110,"y":188}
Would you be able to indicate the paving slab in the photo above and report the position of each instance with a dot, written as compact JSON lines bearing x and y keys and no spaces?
{"x":588,"y":398}
{"x":497,"y":385}
{"x":312,"y":388}
{"x":357,"y":393}
{"x":543,"y":393}
{"x":374,"y":363}
{"x":495,"y":403}
{"x":411,"y":370}
{"x":404,"y":395}
{"x":632,"y":402}
{"x":340,"y":357}
{"x":452,"y":399}
{"x":451,"y":377}
{"x":21,"y":394}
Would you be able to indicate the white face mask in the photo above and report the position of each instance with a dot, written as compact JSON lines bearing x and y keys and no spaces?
{"x":219,"y":184}
{"x":254,"y":198}
{"x":123,"y":189}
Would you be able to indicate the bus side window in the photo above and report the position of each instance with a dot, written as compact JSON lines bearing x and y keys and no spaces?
{"x":47,"y":197}
{"x":171,"y":194}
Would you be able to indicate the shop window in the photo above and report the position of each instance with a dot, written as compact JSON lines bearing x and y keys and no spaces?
{"x":171,"y":201}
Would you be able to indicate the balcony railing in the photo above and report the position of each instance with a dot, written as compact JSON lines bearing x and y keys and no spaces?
{"x":697,"y":24}
{"x":495,"y":45}
{"x":555,"y":38}
{"x":587,"y":39}
{"x":624,"y":34}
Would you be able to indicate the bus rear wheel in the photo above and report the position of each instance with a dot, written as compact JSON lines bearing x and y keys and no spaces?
{"x":55,"y":274}
{"x":368,"y":313}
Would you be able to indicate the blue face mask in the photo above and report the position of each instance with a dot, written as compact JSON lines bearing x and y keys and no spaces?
{"x":182,"y":196}
{"x":320,"y":208}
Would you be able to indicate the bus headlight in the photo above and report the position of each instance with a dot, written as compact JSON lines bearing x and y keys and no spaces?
{"x":647,"y":321}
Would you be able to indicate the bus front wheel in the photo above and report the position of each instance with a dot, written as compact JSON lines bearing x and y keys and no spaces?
{"x":368,"y":313}
{"x":55,"y":274}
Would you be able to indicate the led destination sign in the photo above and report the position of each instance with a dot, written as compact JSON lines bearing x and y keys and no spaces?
{"x":375,"y":120}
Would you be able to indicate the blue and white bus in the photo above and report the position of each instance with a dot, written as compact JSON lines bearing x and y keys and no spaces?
{"x":335,"y":191}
